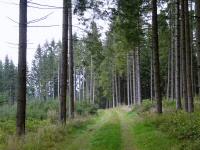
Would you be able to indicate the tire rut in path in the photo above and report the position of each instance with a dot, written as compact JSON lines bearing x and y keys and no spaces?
{"x":126,"y":129}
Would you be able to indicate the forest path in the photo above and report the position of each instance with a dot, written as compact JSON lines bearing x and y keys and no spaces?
{"x":112,"y":130}
{"x":127,"y":119}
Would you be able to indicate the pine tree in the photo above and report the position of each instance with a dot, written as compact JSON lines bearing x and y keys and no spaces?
{"x":21,"y":86}
{"x":158,"y":97}
{"x":64,"y":62}
{"x":198,"y":40}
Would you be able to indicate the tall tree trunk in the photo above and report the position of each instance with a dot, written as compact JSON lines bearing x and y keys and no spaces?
{"x":64,"y":62}
{"x":158,"y":97}
{"x":93,"y":90}
{"x":152,"y":77}
{"x":119,"y":89}
{"x":131,"y":83}
{"x":134,"y":80}
{"x":192,"y":47}
{"x":173,"y":59}
{"x":168,"y":76}
{"x":183,"y":51}
{"x":172,"y":50}
{"x":128,"y":87}
{"x":91,"y":78}
{"x":79,"y":85}
{"x":198,"y":40}
{"x":188,"y":59}
{"x":83,"y":83}
{"x":71,"y":62}
{"x":21,"y":90}
{"x":136,"y":77}
{"x":177,"y":73}
{"x":139,"y":98}
{"x":116,"y":89}
{"x":75,"y":85}
{"x":59,"y":64}
{"x":113,"y":88}
{"x":87,"y":89}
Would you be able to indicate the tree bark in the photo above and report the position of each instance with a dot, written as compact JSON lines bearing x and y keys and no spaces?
{"x":169,"y":73}
{"x":158,"y":97}
{"x":21,"y":90}
{"x":79,"y":84}
{"x":152,"y":77}
{"x":131,"y":82}
{"x":139,"y":97}
{"x":198,"y":40}
{"x":188,"y":59}
{"x":119,"y":89}
{"x":134,"y":80}
{"x":177,"y":73}
{"x":91,"y":78}
{"x":93,"y":90}
{"x":64,"y":62}
{"x":183,"y":51}
{"x":83,"y":83}
{"x":128,"y":87}
{"x":116,"y":89}
{"x":71,"y":62}
{"x":113,"y":88}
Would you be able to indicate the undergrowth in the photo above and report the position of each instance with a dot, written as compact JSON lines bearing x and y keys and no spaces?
{"x":43,"y":130}
{"x":178,"y":125}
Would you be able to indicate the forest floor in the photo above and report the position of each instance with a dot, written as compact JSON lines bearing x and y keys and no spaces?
{"x":123,"y":128}
{"x":117,"y":129}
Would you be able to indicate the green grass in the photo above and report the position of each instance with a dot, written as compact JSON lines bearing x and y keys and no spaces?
{"x":171,"y":130}
{"x":147,"y":137}
{"x":108,"y":136}
{"x":113,"y":129}
{"x":43,"y":130}
{"x":49,"y":136}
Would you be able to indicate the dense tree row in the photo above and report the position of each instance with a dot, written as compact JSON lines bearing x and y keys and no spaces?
{"x":8,"y":72}
{"x":43,"y":77}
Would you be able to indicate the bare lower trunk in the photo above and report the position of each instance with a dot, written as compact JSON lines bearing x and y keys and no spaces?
{"x":131,"y":84}
{"x":134,"y":81}
{"x":169,"y":73}
{"x":83,"y":83}
{"x":116,"y":89}
{"x":172,"y":66}
{"x":128,"y":90}
{"x":158,"y":97}
{"x":93,"y":91}
{"x":139,"y":98}
{"x":21,"y":90}
{"x":183,"y":51}
{"x":71,"y":63}
{"x":188,"y":59}
{"x":113,"y":88}
{"x":152,"y":77}
{"x":177,"y":73}
{"x":64,"y":62}
{"x":198,"y":41}
{"x":79,"y":85}
{"x":91,"y":78}
{"x":119,"y":89}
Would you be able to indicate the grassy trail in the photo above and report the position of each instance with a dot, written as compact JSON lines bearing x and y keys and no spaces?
{"x":126,"y":122}
{"x":111,"y":131}
{"x":118,"y":129}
